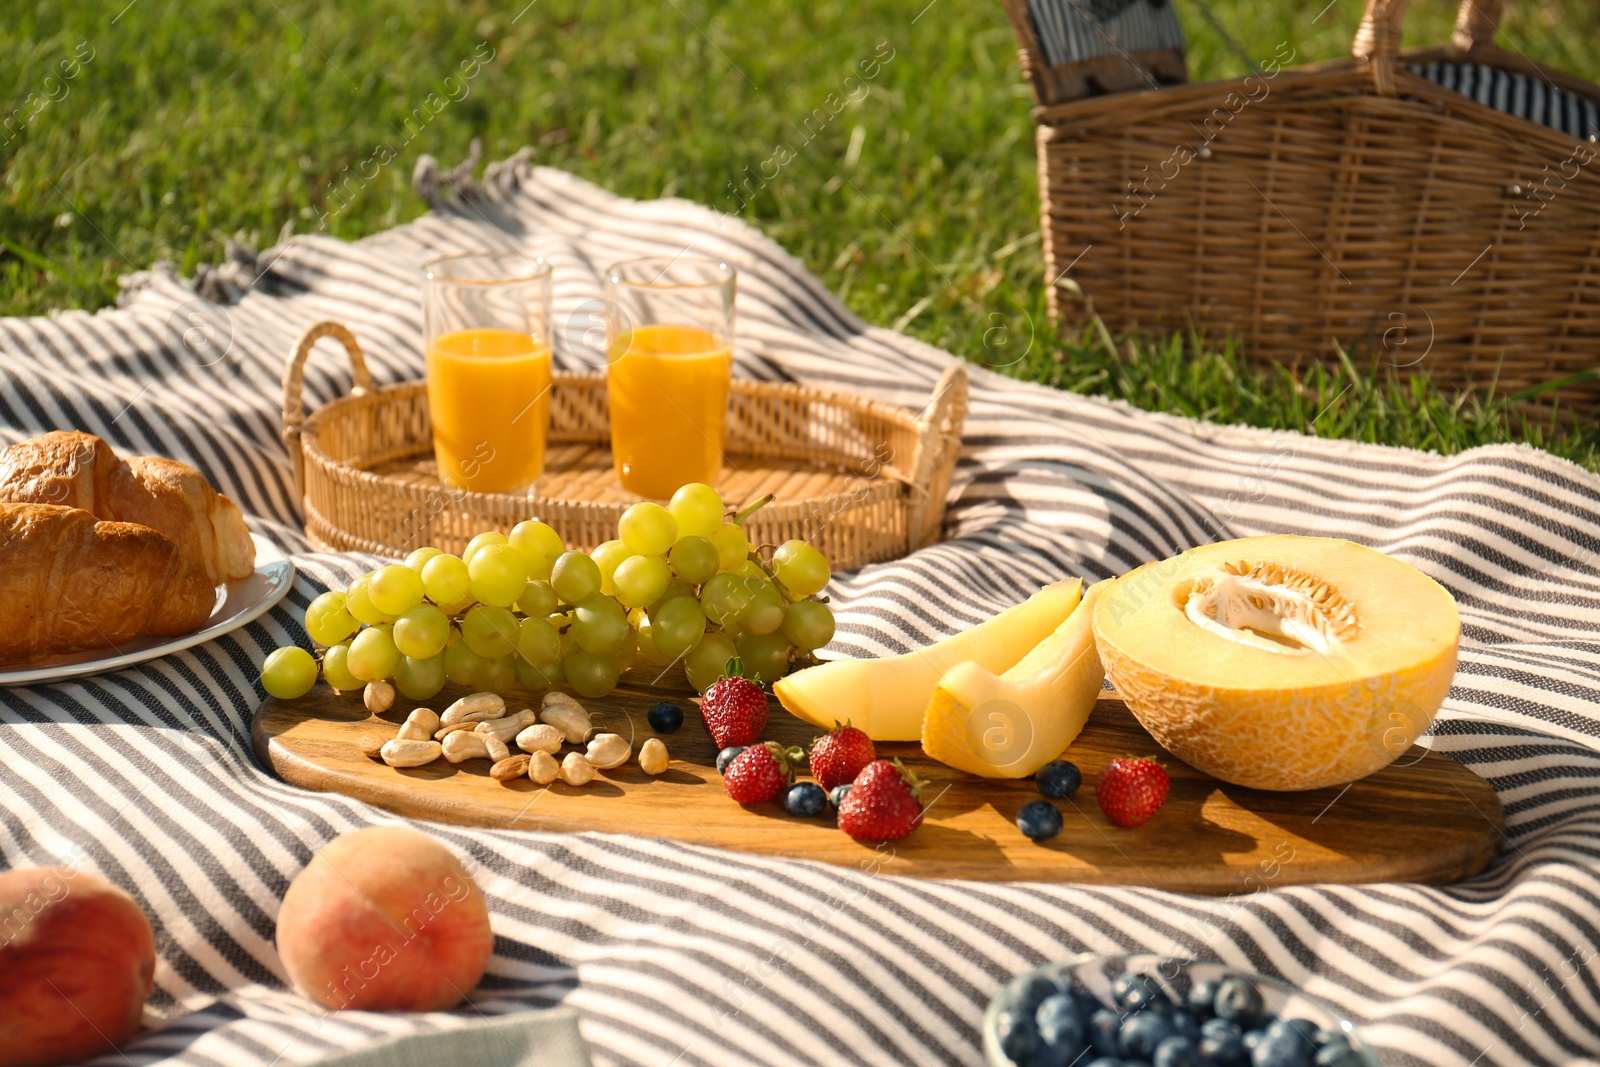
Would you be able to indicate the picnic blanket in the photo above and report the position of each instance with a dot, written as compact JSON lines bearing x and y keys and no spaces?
{"x":676,"y":954}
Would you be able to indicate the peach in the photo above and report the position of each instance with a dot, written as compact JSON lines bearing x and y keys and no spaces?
{"x":384,"y":919}
{"x":77,"y":960}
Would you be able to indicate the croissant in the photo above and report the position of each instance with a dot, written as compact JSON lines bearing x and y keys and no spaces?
{"x":79,"y":470}
{"x":69,"y":582}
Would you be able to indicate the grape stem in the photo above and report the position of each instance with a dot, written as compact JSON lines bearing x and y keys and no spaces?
{"x":751,"y":508}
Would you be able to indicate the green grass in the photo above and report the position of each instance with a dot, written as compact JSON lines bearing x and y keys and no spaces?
{"x":198,"y":122}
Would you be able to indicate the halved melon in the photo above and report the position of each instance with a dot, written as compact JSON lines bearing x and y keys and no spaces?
{"x":886,"y":697}
{"x":1280,"y":662}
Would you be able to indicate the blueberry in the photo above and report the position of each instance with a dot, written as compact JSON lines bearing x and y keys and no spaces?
{"x":1102,"y":1031}
{"x":1058,"y":778}
{"x":1018,"y":1039}
{"x":1141,"y":1034}
{"x":1281,"y":1048}
{"x":805,"y":799}
{"x":1105,"y":1061}
{"x":1039,"y":820}
{"x":727,"y":756}
{"x":1136,"y":992}
{"x":1184,"y":1024}
{"x":1334,"y":1055}
{"x":1239,"y":1001}
{"x":1177,"y":1051}
{"x":1060,"y":1031}
{"x":1307,"y":1029}
{"x":1202,"y":995}
{"x":1324,"y":1037}
{"x":665,"y":717}
{"x":1251,"y":1039}
{"x":1222,"y":1044}
{"x":1031,"y":991}
{"x":837,"y":794}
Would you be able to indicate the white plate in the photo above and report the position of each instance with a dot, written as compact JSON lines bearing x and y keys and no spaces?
{"x":237,"y":603}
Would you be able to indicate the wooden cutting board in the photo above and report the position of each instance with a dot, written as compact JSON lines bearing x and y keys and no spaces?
{"x":1424,"y":819}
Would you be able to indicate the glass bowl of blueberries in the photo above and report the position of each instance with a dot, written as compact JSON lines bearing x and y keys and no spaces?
{"x":1147,"y":1010}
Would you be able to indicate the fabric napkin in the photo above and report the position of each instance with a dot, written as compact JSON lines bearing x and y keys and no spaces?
{"x":528,"y":1039}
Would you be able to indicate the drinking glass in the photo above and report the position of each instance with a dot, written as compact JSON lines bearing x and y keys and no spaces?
{"x":669,"y":343}
{"x":486,"y":322}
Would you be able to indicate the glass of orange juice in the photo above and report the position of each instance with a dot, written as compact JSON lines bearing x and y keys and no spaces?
{"x":669,"y":342}
{"x":485,"y":322}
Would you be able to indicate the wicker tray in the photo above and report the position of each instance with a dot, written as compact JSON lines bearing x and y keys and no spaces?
{"x":862,"y":480}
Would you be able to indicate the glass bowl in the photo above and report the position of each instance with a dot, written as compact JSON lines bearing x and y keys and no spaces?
{"x":1096,"y":973}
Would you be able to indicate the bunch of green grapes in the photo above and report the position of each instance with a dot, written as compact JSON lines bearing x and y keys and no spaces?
{"x":679,"y":584}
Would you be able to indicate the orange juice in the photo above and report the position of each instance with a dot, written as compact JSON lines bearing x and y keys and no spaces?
{"x":668,"y":390}
{"x":489,"y":395}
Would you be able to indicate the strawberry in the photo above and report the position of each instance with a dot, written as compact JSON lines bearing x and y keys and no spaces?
{"x":734,"y":708}
{"x":882,"y":804}
{"x":761,"y":772}
{"x":1131,"y":790}
{"x":838,"y":757}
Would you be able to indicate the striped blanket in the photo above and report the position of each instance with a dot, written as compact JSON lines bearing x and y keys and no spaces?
{"x":675,"y":954}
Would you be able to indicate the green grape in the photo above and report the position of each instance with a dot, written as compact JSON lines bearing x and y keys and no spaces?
{"x":647,"y":529}
{"x":751,"y":571}
{"x":289,"y":673}
{"x":418,"y":559}
{"x":606,"y":557}
{"x":641,"y":579}
{"x":697,"y":509}
{"x":677,"y":626}
{"x":446,"y":580}
{"x":537,"y":599}
{"x":488,"y":537}
{"x":498,"y":575}
{"x":575,"y":577}
{"x":372,"y":655}
{"x":394,"y":589}
{"x":802,"y":569}
{"x":539,"y":545}
{"x":360,"y":605}
{"x":590,"y":675}
{"x":733,"y":548}
{"x":461,"y":664}
{"x":695,"y":559}
{"x":599,"y":625}
{"x":644,"y":641}
{"x":706,"y":662}
{"x":495,"y":675}
{"x":808,"y":624}
{"x":765,"y":612}
{"x":628,"y":654}
{"x":337,"y":671}
{"x":539,"y":677}
{"x":422,"y":632}
{"x":538,"y":642}
{"x":724,"y":597}
{"x":490,"y":631}
{"x":675,"y":589}
{"x":419,"y":679}
{"x":327,"y":621}
{"x":765,"y":654}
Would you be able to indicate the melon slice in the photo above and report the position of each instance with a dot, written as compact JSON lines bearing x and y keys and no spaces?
{"x":886,"y":697}
{"x":1010,"y":725}
{"x":1280,"y":662}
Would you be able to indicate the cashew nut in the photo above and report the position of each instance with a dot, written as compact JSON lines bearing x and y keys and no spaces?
{"x":464,"y":745}
{"x":543,"y":768}
{"x":607,"y":751}
{"x":540,"y":738}
{"x":419,"y":726}
{"x":371,"y":745}
{"x":509,"y":726}
{"x":477,"y":707}
{"x":398,"y":753}
{"x":575,"y":770}
{"x":497,"y":749}
{"x":566,"y":715}
{"x":445,"y":731}
{"x":378,"y":697}
{"x":509,"y":768}
{"x":653,"y":756}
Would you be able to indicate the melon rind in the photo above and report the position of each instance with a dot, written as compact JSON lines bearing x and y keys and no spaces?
{"x":1293,"y":737}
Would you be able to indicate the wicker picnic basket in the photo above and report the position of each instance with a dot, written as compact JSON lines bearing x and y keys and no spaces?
{"x":1351,"y":204}
{"x":862,"y":480}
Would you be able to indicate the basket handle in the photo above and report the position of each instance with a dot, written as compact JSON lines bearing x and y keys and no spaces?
{"x":938,"y":448}
{"x":1378,"y":37}
{"x":294,"y":414}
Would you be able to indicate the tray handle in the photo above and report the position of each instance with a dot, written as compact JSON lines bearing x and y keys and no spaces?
{"x":938,"y":448}
{"x":1378,"y":37}
{"x":294,"y":412}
